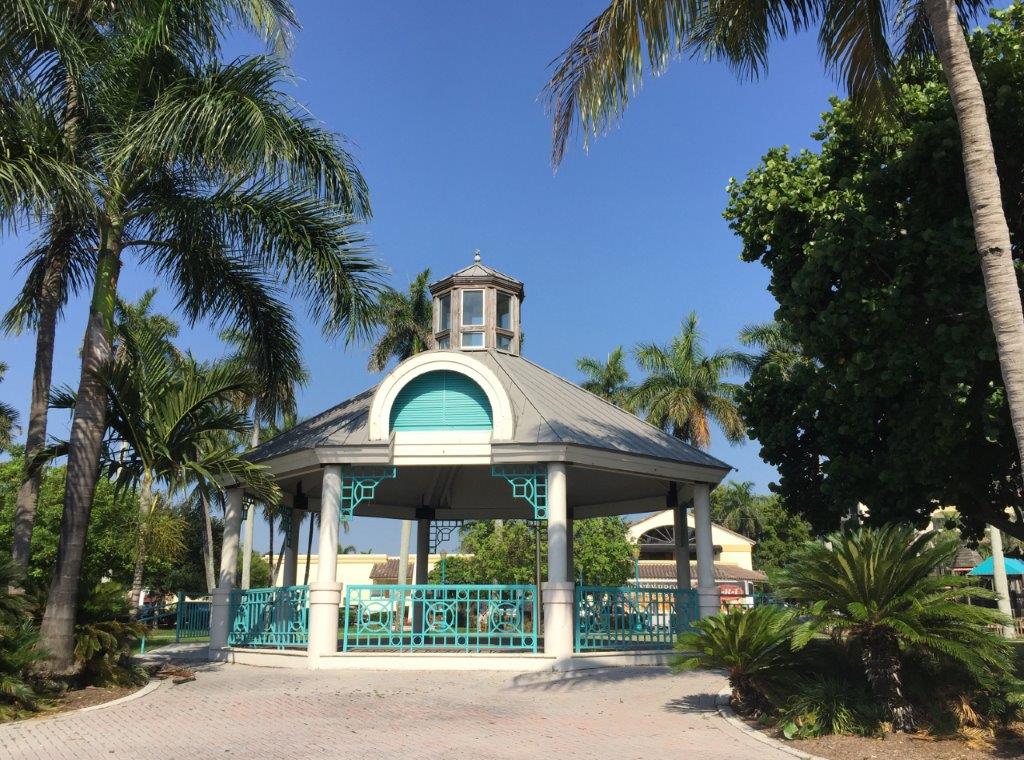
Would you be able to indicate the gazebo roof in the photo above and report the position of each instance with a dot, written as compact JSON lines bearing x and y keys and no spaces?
{"x":547,"y":410}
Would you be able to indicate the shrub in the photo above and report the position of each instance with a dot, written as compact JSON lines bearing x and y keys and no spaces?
{"x":19,"y":693}
{"x":104,"y":639}
{"x":879,"y":589}
{"x":829,"y":705}
{"x":753,"y":646}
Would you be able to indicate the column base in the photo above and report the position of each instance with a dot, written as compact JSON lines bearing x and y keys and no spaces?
{"x":324,"y":603}
{"x":710,"y":601}
{"x":558,"y":622}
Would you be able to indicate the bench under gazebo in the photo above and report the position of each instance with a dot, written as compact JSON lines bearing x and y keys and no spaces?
{"x":470,"y":430}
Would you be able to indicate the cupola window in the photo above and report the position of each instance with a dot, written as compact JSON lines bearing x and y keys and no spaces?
{"x":444,"y":322}
{"x":472,"y":308}
{"x":504,"y":311}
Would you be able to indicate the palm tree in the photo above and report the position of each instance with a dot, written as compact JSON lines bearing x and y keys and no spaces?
{"x":880,"y":588}
{"x":181,"y":177}
{"x":404,"y":321}
{"x":863,"y":42}
{"x":684,"y":390}
{"x":775,"y":347}
{"x":45,"y":47}
{"x":734,"y":505}
{"x":8,"y":417}
{"x":608,"y":379}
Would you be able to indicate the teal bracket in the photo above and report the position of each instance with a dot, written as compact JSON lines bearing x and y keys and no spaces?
{"x":359,"y":484}
{"x":529,"y":482}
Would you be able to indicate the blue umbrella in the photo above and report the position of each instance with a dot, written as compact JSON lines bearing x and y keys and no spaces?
{"x":1013,"y":567}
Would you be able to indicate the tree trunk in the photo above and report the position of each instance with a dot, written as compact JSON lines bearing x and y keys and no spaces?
{"x":35,"y":437}
{"x":309,"y":550}
{"x":991,"y":233}
{"x":57,"y":631}
{"x":145,"y":509}
{"x":882,"y":667}
{"x":211,"y":580}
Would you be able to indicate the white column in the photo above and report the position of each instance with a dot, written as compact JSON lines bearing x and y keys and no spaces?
{"x":220,"y":607}
{"x":291,"y":551}
{"x":557,"y":592}
{"x":707,"y":591}
{"x":325,"y":592}
{"x":999,"y":581}
{"x":681,"y":547}
{"x":570,"y":561}
{"x":421,"y":569}
{"x":250,"y":521}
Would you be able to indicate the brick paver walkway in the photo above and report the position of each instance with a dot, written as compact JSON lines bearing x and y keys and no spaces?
{"x":247,"y":712}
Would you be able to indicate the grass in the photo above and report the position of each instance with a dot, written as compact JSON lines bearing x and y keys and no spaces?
{"x":161,"y":637}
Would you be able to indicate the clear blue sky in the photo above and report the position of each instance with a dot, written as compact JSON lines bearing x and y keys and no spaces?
{"x":439,"y":102}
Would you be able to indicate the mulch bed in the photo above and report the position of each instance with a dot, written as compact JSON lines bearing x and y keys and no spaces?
{"x":76,"y":699}
{"x":1008,"y":744}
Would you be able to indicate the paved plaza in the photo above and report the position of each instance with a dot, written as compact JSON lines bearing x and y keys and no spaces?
{"x":248,"y":712}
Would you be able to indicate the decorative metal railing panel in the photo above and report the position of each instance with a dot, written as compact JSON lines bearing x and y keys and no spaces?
{"x":631,"y":617}
{"x":193,"y":618}
{"x":270,"y":617}
{"x":359,"y":484}
{"x":529,"y":482}
{"x":455,"y":618}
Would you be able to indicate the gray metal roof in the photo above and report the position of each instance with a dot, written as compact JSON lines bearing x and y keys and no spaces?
{"x":548,"y":409}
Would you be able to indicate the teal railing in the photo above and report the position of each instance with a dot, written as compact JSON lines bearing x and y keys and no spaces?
{"x":192,"y":620}
{"x":458,"y":618}
{"x":269,"y":617}
{"x":632,"y":617}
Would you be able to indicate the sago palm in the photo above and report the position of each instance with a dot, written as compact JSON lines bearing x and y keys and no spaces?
{"x":205,"y":172}
{"x":404,"y":323}
{"x":880,"y":589}
{"x":685,"y":389}
{"x":608,"y":379}
{"x":753,"y":646}
{"x":46,"y":49}
{"x":862,"y":42}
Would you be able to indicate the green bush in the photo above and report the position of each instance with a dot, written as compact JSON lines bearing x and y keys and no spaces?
{"x":829,"y":705}
{"x":105,"y":638}
{"x":752,"y":646}
{"x":19,"y":692}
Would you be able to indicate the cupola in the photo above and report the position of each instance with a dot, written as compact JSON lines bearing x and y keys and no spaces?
{"x":477,"y":308}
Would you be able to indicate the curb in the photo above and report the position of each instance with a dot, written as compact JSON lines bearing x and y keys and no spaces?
{"x":726,"y":711}
{"x":152,"y":686}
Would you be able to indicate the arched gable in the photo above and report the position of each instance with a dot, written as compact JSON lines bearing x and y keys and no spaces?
{"x":441,"y":400}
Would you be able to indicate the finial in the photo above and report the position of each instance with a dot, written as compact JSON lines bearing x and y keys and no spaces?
{"x":476,"y":256}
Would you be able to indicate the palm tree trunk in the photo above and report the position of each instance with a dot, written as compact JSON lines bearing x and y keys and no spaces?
{"x":309,"y":550}
{"x":35,"y":437}
{"x":145,"y":509}
{"x":991,"y":233}
{"x":882,"y":667}
{"x":57,"y":631}
{"x":211,"y":581}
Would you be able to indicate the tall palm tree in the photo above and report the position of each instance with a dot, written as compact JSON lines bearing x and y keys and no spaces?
{"x":862,"y":42}
{"x":207,"y":173}
{"x":608,"y":379}
{"x":8,"y":417}
{"x":881,"y":588}
{"x":735,"y":506}
{"x":44,"y":50}
{"x":685,"y":389}
{"x":773,"y":347}
{"x":404,"y":321}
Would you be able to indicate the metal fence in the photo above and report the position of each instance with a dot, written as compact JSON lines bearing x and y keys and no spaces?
{"x":631,"y":617}
{"x":270,"y":617}
{"x":458,"y":618}
{"x":193,"y":618}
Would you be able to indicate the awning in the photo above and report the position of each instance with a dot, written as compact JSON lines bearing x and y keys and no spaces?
{"x":1013,"y":567}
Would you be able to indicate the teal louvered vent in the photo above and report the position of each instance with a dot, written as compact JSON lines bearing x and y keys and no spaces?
{"x":441,"y":401}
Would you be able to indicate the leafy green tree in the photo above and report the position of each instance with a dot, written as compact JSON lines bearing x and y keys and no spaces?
{"x":602,"y":552}
{"x":608,"y":379}
{"x":735,"y":506}
{"x":880,"y":589}
{"x":898,"y":402}
{"x":780,"y":535}
{"x":685,"y":389}
{"x":404,"y":323}
{"x":863,"y":43}
{"x":8,"y":417}
{"x":180,"y":177}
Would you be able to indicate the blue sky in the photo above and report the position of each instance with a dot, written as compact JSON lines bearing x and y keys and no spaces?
{"x":439,"y":103}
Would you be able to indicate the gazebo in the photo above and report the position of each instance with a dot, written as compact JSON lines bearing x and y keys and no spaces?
{"x":470,"y":430}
